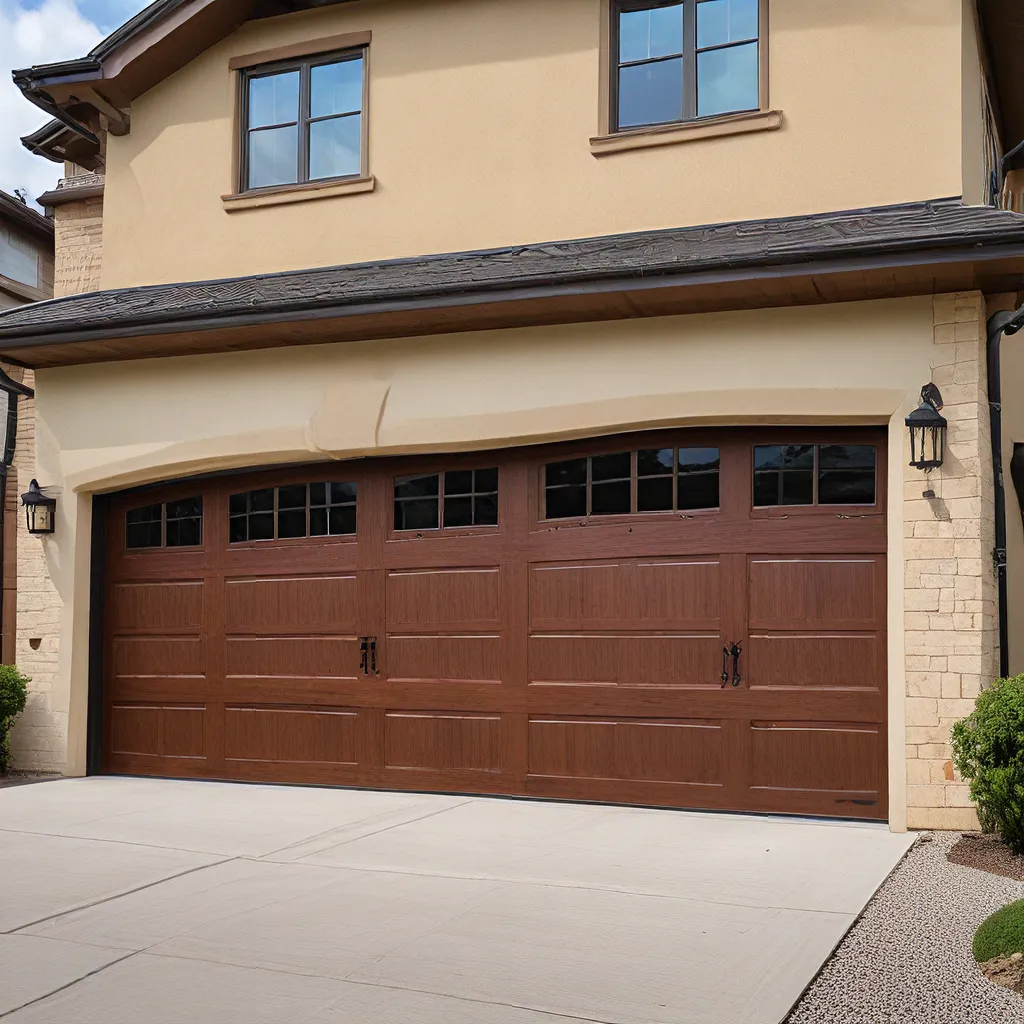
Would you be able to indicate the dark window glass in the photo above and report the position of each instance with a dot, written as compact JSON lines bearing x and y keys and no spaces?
{"x":655,"y":462}
{"x":458,"y":511}
{"x":485,"y":510}
{"x":571,"y":472}
{"x":342,"y":520}
{"x":654,"y":494}
{"x":185,"y":522}
{"x":814,"y":474}
{"x":261,"y":526}
{"x":293,"y":496}
{"x":610,"y":467}
{"x":471,"y":497}
{"x":665,"y":72}
{"x":302,"y":510}
{"x":459,"y":482}
{"x":566,"y":502}
{"x":698,"y":478}
{"x":291,"y":523}
{"x":304,"y":123}
{"x":342,"y":494}
{"x":174,"y":524}
{"x":417,"y":486}
{"x":416,"y":514}
{"x":262,"y":500}
{"x":846,"y":474}
{"x":143,"y":527}
{"x":610,"y":499}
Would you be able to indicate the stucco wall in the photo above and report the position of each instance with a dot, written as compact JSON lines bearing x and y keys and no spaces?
{"x":480,"y":116}
{"x":975,"y":187}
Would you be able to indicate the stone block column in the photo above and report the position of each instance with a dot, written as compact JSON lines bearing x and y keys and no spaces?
{"x":950,"y":581}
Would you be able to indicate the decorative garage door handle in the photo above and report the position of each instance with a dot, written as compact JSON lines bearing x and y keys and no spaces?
{"x":368,"y":656}
{"x":733,"y":652}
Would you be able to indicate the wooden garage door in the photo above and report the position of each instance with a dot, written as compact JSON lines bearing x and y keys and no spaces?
{"x":690,"y":618}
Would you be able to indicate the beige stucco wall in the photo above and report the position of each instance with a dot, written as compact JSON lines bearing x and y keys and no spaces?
{"x":107,"y":426}
{"x":480,"y":116}
{"x":975,"y":187}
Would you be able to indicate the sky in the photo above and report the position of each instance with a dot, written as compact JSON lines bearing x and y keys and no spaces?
{"x":40,"y":32}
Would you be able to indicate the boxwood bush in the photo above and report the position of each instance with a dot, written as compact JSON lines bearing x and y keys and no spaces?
{"x":988,"y":751}
{"x":13,"y":693}
{"x":1001,"y":934}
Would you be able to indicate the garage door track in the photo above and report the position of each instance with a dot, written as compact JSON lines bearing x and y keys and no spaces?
{"x":126,"y":900}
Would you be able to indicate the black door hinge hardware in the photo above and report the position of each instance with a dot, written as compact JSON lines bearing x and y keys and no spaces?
{"x":364,"y":647}
{"x":373,"y":657}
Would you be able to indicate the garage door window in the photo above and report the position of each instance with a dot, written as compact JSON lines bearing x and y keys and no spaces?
{"x":814,"y":474}
{"x":649,"y":480}
{"x":294,"y":511}
{"x":470,"y":498}
{"x":172,"y":524}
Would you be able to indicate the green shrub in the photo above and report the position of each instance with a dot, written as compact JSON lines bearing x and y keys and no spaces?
{"x":988,"y":750}
{"x":13,"y":693}
{"x":1001,"y":934}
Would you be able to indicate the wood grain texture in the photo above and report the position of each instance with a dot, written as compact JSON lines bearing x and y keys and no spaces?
{"x":569,"y":659}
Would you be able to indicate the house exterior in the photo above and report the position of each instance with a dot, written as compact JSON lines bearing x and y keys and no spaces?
{"x":26,"y":275}
{"x":509,"y":397}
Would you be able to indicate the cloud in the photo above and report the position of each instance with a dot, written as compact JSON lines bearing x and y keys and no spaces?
{"x":50,"y":31}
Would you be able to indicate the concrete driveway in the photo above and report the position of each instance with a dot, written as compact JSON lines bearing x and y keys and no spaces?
{"x":128,"y":900}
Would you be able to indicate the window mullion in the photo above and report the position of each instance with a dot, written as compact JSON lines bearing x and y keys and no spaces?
{"x":689,"y":60}
{"x":304,"y":112}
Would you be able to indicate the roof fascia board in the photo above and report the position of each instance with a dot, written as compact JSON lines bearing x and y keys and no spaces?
{"x":160,"y":325}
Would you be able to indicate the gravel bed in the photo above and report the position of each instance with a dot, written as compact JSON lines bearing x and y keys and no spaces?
{"x":908,"y":959}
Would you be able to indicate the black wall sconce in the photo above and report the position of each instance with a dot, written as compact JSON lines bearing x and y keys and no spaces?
{"x":40,"y":511}
{"x":927,"y":431}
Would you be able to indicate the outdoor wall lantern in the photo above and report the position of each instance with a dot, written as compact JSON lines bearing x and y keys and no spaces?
{"x":39,"y":509}
{"x":927,"y":431}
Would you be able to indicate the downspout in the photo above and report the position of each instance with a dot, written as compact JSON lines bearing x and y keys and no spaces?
{"x":998,"y":325}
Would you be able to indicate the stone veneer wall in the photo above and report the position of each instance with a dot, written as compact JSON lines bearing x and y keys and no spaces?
{"x":39,"y":738}
{"x":950,"y":597}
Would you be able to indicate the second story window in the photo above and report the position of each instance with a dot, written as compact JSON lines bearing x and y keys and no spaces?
{"x":684,"y":60}
{"x":304,"y":121}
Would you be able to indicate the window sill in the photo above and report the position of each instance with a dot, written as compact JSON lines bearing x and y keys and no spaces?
{"x":298,"y":193}
{"x":671,"y":134}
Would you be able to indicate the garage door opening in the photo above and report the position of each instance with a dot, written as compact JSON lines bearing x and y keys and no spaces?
{"x":684,"y":618}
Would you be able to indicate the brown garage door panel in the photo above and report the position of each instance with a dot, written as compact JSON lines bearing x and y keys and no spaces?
{"x":295,"y":735}
{"x":678,"y":660}
{"x":628,"y":594}
{"x":439,"y":599}
{"x":817,"y":592}
{"x":292,"y":603}
{"x":474,"y":658}
{"x":817,"y":661}
{"x":443,"y":741}
{"x":159,"y":657}
{"x":175,"y":605}
{"x":836,"y":761}
{"x":298,"y":658}
{"x":158,"y":730}
{"x":632,"y":751}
